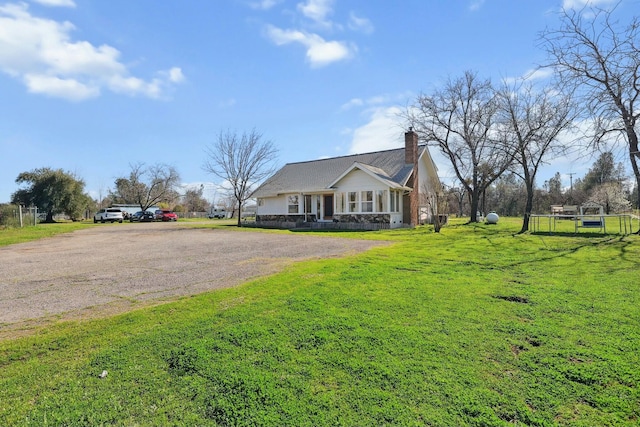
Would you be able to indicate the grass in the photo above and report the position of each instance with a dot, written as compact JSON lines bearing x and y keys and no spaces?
{"x":475,"y":326}
{"x":11,"y":235}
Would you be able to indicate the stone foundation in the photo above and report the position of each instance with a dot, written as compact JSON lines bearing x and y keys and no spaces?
{"x":372,"y":218}
{"x":376,"y":221}
{"x":296,"y":219}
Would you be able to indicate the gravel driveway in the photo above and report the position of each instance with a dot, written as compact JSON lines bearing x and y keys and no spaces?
{"x":112,"y":268}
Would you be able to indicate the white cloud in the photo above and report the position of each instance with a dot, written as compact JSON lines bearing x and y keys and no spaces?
{"x":175,"y":75}
{"x":70,"y":89}
{"x":382,"y":132}
{"x":227,"y":103}
{"x":476,"y":4}
{"x":41,"y":53}
{"x":135,"y":86}
{"x":531,"y":75}
{"x":360,"y":24}
{"x":538,"y":74}
{"x":352,"y":103}
{"x":56,"y":3}
{"x":264,"y":4}
{"x":319,"y":51}
{"x":317,"y":10}
{"x":579,"y":4}
{"x":376,"y":101}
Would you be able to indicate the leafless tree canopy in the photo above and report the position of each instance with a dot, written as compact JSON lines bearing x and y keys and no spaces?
{"x":460,"y":120}
{"x":147,"y":185}
{"x":599,"y":57}
{"x":242,"y":161}
{"x":531,"y":121}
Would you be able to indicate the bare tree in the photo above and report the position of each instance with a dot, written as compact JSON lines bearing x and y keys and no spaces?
{"x":458,"y":194}
{"x":435,"y":202}
{"x":459,"y":119}
{"x":507,"y":195}
{"x":532,"y":120}
{"x":242,"y":161}
{"x":147,"y":185}
{"x":600,"y":58}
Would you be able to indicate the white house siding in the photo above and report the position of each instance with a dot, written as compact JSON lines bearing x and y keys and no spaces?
{"x":358,"y":180}
{"x":272,"y":205}
{"x":426,"y":178}
{"x":425,"y":175}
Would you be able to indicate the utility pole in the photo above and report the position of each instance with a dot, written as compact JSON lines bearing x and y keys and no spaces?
{"x":571,"y":185}
{"x":571,"y":180}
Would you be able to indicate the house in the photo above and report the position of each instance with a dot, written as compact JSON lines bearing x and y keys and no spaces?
{"x":391,"y":188}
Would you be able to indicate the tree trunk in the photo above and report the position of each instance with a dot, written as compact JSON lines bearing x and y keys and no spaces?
{"x":528,"y":208}
{"x":436,"y":224}
{"x":475,"y":199}
{"x":239,"y":204}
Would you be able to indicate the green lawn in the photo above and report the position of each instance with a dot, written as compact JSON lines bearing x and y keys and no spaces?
{"x":11,"y":235}
{"x":473,"y":326}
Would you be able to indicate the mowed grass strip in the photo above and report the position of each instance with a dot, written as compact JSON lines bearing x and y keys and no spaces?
{"x":12,"y":235}
{"x":473,"y":326}
{"x":28,"y":233}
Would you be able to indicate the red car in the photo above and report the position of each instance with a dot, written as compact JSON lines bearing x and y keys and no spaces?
{"x":165,"y":215}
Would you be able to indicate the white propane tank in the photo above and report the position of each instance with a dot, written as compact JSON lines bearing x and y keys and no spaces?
{"x":492,"y":218}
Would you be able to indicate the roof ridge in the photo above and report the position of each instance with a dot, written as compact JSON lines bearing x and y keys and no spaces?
{"x":349,"y":155}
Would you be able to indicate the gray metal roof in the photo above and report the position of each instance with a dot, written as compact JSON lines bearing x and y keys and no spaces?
{"x":317,"y":175}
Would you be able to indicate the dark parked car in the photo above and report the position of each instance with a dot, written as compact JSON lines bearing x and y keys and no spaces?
{"x":165,"y":215}
{"x":140,"y":216}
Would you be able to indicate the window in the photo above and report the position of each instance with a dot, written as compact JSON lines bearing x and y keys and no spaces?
{"x":339,"y":202}
{"x":293,"y":204}
{"x":381,"y":201}
{"x":260,"y":202}
{"x":307,"y":204}
{"x":367,"y":201}
{"x":353,"y":201}
{"x":395,"y":201}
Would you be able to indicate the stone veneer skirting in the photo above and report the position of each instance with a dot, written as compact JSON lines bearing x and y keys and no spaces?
{"x":285,"y":218}
{"x":373,"y":218}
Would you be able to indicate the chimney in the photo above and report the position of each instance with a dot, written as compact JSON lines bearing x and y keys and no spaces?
{"x":411,"y":158}
{"x":410,"y":147}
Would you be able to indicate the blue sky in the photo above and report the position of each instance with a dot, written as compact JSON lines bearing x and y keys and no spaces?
{"x":92,"y":86}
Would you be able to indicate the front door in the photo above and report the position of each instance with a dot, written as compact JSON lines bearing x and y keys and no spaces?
{"x":328,"y":207}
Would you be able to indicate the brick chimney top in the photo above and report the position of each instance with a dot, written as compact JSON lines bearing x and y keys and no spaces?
{"x":410,"y":147}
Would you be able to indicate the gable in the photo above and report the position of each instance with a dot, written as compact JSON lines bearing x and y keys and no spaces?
{"x":364,"y":176}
